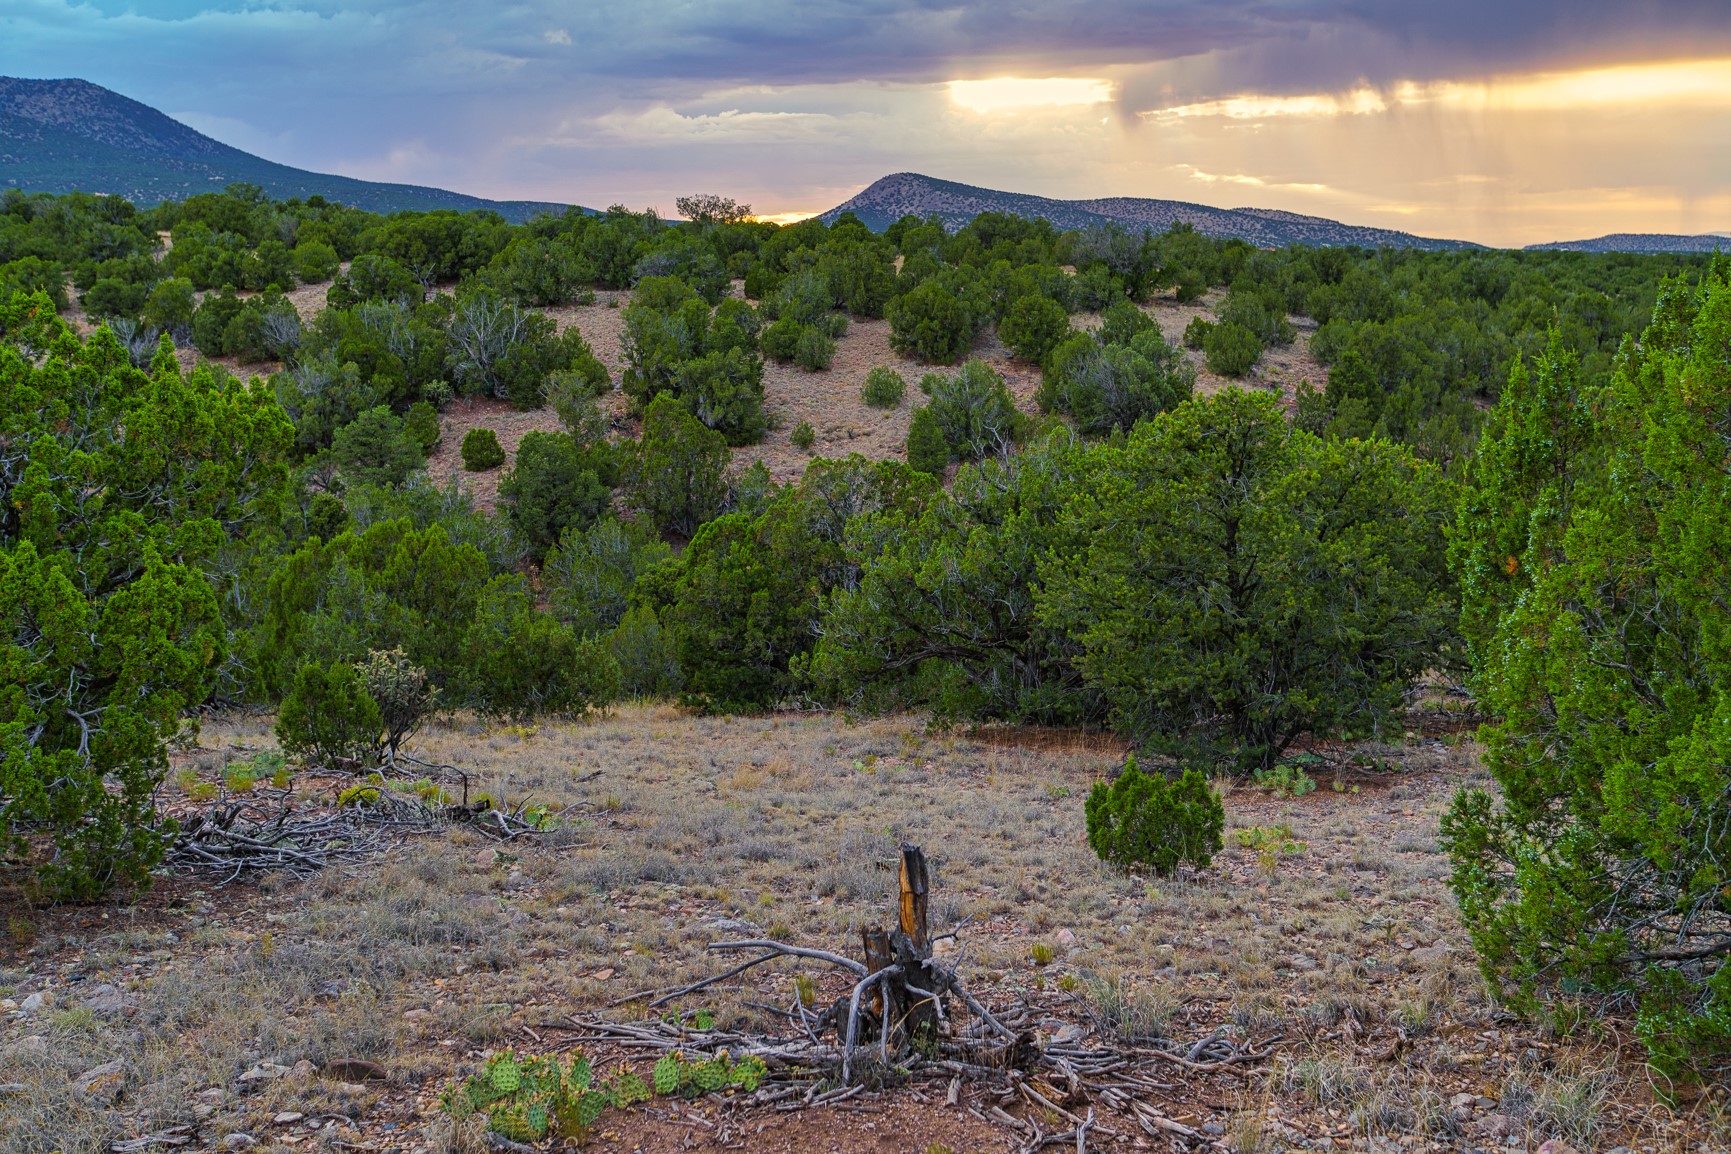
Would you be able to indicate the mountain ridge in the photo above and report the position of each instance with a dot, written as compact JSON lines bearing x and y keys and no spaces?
{"x":889,"y":198}
{"x":1638,"y":242}
{"x":72,"y":135}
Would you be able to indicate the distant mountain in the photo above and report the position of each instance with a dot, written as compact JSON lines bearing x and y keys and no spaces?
{"x":1638,"y":242}
{"x":67,"y":135}
{"x":893,"y":197}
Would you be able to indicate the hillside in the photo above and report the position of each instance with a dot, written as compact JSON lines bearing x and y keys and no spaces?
{"x":893,"y":197}
{"x":70,"y":135}
{"x":1638,"y":242}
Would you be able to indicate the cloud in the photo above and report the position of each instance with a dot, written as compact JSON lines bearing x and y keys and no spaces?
{"x":1339,"y":106}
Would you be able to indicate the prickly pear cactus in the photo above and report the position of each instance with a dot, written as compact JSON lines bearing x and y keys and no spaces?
{"x":515,"y":1123}
{"x":505,"y":1074}
{"x":628,"y":1089}
{"x":667,"y":1073}
{"x":709,"y":1076}
{"x":748,"y":1072}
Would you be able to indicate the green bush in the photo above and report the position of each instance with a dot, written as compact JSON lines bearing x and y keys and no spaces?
{"x":327,"y":516}
{"x":422,"y":425}
{"x":329,"y":716}
{"x":780,"y":341}
{"x":884,"y":388}
{"x":111,"y":627}
{"x":375,"y":449}
{"x":588,"y":576}
{"x":521,"y":663}
{"x":647,"y":657}
{"x":928,"y":451}
{"x":1217,"y":529}
{"x":1592,"y":552}
{"x":677,"y":475}
{"x":315,"y":262}
{"x":815,"y":351}
{"x":724,"y":390}
{"x":1196,"y":332}
{"x":1034,"y":326}
{"x":1232,"y":350}
{"x":930,"y":323}
{"x":481,"y":450}
{"x":1106,"y":386}
{"x":1147,"y":820}
{"x":553,"y":486}
{"x":975,"y":410}
{"x":803,"y":436}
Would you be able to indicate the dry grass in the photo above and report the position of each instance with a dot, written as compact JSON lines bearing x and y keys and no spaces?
{"x":706,"y":828}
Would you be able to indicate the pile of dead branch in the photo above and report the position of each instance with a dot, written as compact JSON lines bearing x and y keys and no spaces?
{"x":266,"y":830}
{"x":908,"y":1019}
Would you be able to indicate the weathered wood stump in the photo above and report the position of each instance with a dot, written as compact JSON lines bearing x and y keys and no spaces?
{"x":898,"y":1000}
{"x":906,"y":1006}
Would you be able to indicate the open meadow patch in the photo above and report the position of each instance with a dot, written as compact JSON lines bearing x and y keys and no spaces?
{"x":1311,"y":988}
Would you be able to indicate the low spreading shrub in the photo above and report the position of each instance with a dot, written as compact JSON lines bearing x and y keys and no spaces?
{"x":1147,"y":820}
{"x":884,"y":388}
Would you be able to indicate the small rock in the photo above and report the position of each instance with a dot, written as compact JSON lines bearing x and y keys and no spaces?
{"x":33,"y":1044}
{"x":416,"y":1015}
{"x":203,"y":1110}
{"x":1302,"y":962}
{"x":602,"y":974}
{"x":103,"y":1080}
{"x":733,"y":926}
{"x":487,"y":857}
{"x":213,"y":1094}
{"x":1066,"y":938}
{"x":1497,"y":1126}
{"x":239,"y":1140}
{"x":1557,"y":1146}
{"x":1213,"y":1129}
{"x":1429,"y":955}
{"x":41,"y":1000}
{"x":355,"y":1070}
{"x":264,"y":1072}
{"x":304,"y":1071}
{"x":106,"y":999}
{"x":1463,"y":1100}
{"x":288,"y":1117}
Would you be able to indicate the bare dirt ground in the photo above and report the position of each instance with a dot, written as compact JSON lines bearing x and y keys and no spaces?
{"x":328,"y":1014}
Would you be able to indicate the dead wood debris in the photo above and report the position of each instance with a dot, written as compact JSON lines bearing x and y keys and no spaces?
{"x":895,"y":1025}
{"x":265,"y":830}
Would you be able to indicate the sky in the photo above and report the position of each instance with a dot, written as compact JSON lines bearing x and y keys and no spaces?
{"x":1506,"y":122}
